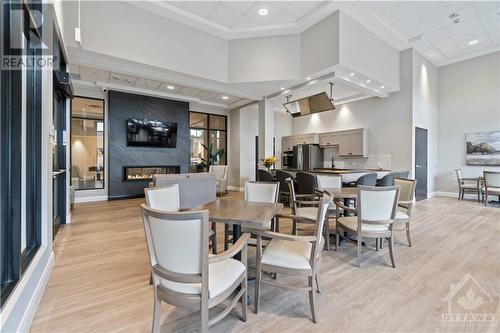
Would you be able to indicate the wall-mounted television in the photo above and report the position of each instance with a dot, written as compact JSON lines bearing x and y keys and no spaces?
{"x":151,"y":133}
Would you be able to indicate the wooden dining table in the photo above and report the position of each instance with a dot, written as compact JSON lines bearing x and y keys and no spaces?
{"x":239,"y":213}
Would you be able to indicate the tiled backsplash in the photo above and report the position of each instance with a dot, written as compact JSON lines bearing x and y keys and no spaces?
{"x":371,"y":162}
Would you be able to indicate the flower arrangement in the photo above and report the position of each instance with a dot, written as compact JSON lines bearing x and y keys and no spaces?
{"x":269,"y":162}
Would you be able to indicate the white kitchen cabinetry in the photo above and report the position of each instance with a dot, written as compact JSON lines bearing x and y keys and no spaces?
{"x":329,"y":139}
{"x":287,"y":142}
{"x":353,"y":143}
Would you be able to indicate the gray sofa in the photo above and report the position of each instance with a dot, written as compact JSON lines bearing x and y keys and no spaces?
{"x":195,"y":189}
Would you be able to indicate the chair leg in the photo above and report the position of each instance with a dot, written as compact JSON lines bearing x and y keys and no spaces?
{"x":244,"y":286}
{"x":156,"y":314}
{"x":258,"y":276}
{"x":391,"y":250}
{"x":459,"y":194}
{"x":486,"y":199}
{"x":204,"y":319}
{"x":337,"y":239}
{"x":360,"y":245}
{"x":294,"y":227}
{"x":311,"y":298}
{"x":327,"y":232}
{"x":316,"y":275}
{"x":408,"y":233}
{"x":214,"y":238}
{"x":376,"y":245}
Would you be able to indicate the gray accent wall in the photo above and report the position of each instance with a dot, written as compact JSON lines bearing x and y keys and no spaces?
{"x":123,"y":106}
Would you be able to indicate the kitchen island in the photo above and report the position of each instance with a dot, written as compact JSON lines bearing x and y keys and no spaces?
{"x":348,"y":175}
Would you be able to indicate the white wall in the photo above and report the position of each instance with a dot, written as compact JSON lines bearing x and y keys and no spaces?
{"x":425,"y":112}
{"x":282,"y":127}
{"x":320,"y":45}
{"x":122,"y":30}
{"x":364,"y":52}
{"x":469,"y":101}
{"x":264,"y":59}
{"x":388,"y":120}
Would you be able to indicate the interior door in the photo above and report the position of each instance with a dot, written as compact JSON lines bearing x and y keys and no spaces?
{"x":421,"y":163}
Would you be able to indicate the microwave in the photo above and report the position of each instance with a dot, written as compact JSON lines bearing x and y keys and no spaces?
{"x":287,"y":160}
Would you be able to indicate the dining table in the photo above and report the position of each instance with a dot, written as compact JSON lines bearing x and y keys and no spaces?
{"x":240,"y":213}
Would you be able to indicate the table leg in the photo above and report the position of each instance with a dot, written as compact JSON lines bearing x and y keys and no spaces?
{"x":236,"y":236}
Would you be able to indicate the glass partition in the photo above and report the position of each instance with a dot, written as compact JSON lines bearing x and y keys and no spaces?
{"x":208,"y":140}
{"x":87,"y":143}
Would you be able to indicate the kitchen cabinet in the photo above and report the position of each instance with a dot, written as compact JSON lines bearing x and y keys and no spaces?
{"x":329,"y":139}
{"x":353,"y":143}
{"x":287,"y":142}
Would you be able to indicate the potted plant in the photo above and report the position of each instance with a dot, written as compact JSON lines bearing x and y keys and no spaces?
{"x":213,"y":157}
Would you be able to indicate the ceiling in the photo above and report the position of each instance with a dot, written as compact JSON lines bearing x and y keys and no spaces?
{"x":424,"y":25}
{"x":117,"y":80}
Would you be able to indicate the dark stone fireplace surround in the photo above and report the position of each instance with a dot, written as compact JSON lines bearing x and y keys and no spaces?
{"x":122,"y":106}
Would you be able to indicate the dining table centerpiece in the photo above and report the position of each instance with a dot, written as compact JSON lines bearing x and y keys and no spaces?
{"x":269,"y":162}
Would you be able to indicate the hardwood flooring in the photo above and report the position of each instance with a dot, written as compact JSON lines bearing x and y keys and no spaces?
{"x":100,"y":281}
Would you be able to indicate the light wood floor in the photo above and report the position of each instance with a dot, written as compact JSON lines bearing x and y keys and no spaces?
{"x":100,"y":281}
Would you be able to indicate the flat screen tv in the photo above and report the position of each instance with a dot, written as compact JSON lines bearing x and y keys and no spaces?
{"x":151,"y":133}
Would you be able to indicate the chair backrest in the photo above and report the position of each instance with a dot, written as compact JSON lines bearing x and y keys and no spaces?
{"x":264,"y":176}
{"x":177,"y":242}
{"x":306,"y":182}
{"x":163,"y":198}
{"x":325,"y":181}
{"x":262,"y":191}
{"x":281,"y":177}
{"x":460,"y":176}
{"x":220,"y":171}
{"x":388,"y":180}
{"x":407,"y":191}
{"x":491,"y":178}
{"x":404,"y":174}
{"x":370,"y":179}
{"x":324,"y":203}
{"x":377,"y":205}
{"x":291,"y":190}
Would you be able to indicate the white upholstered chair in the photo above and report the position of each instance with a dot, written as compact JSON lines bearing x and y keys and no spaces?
{"x":168,"y":199}
{"x":256,"y":192}
{"x":184,"y":274}
{"x":405,"y":203}
{"x":221,"y":173}
{"x":292,"y":255}
{"x":376,"y":213}
{"x":491,"y":184}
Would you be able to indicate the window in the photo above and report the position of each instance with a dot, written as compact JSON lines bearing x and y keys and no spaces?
{"x":20,"y":150}
{"x":208,"y":140}
{"x":87,"y":143}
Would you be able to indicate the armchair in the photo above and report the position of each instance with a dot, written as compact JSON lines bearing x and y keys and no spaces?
{"x":183,"y":273}
{"x":221,"y":173}
{"x":292,"y":255}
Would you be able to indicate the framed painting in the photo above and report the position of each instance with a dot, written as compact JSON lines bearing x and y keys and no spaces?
{"x":483,"y":148}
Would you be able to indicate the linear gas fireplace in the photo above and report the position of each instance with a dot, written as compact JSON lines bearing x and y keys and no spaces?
{"x":145,"y":173}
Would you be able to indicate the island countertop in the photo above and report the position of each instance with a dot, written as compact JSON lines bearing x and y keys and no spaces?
{"x":348,"y":175}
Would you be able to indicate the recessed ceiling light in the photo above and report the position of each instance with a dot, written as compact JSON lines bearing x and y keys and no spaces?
{"x":368,"y":81}
{"x":473,"y":42}
{"x":170,"y":87}
{"x":352,"y":74}
{"x":224,"y":97}
{"x":115,"y":77}
{"x":263,"y":12}
{"x":308,"y":78}
{"x":129,"y":80}
{"x":282,"y":88}
{"x":382,"y":87}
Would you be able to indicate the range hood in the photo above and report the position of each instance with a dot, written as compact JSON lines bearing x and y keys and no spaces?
{"x":309,"y":105}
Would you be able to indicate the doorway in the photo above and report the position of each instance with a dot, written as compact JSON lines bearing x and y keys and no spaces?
{"x":421,"y":163}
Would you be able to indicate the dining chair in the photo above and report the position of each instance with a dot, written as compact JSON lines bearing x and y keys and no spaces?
{"x":168,"y":199}
{"x":256,"y":192}
{"x":292,"y":255}
{"x":328,"y":181}
{"x":467,"y":186}
{"x":404,"y":174}
{"x":281,"y":177}
{"x":264,"y":176}
{"x":369,"y":179}
{"x":405,"y":203}
{"x":491,"y":184}
{"x":306,"y":183}
{"x":388,"y":180}
{"x":376,"y":213}
{"x":184,"y":275}
{"x":306,"y":208}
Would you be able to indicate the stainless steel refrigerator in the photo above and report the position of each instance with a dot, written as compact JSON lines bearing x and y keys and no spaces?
{"x":307,"y":157}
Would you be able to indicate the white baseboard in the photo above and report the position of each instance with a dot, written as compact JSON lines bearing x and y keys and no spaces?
{"x":91,"y":199}
{"x":29,"y":314}
{"x":445,"y":194}
{"x":236,"y":189}
{"x":68,"y":218}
